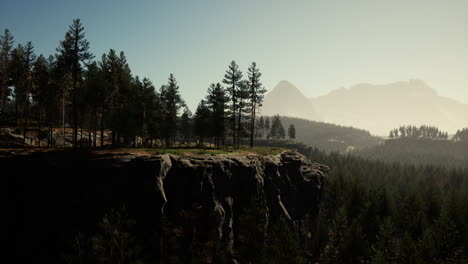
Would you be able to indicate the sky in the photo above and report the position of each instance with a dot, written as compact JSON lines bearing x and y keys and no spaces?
{"x":316,"y":45}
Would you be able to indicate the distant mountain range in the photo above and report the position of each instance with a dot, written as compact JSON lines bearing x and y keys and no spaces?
{"x":377,"y":108}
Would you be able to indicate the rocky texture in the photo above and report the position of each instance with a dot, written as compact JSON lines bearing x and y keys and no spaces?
{"x":206,"y":193}
{"x":200,"y":197}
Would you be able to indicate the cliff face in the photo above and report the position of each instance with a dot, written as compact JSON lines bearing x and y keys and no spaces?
{"x":208,"y":194}
{"x":196,"y":201}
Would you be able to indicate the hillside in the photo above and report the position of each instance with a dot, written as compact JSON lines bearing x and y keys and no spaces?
{"x":443,"y":153}
{"x":330,"y":137}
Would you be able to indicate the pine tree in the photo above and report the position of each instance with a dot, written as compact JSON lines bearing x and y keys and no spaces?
{"x":261,"y":126}
{"x":281,"y":131}
{"x":232,"y":79}
{"x":243,"y":113}
{"x":116,"y":242}
{"x":6,"y":45}
{"x":186,"y":124}
{"x":256,"y":94}
{"x":267,"y":127}
{"x":75,"y":50}
{"x":202,"y":121}
{"x":291,"y":132}
{"x":277,"y":130}
{"x":18,"y":73}
{"x":29,"y":59}
{"x":41,"y":86}
{"x":171,"y":104}
{"x":217,"y":100}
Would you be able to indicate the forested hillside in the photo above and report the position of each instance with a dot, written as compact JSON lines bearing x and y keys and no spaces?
{"x":330,"y":137}
{"x":424,"y":145}
{"x":436,"y":152}
{"x":375,"y":212}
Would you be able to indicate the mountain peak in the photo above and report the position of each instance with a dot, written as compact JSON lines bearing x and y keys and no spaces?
{"x":286,"y":99}
{"x":287,"y":87}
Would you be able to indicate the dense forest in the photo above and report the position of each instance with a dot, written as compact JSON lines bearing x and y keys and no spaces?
{"x":423,"y":145}
{"x":375,"y":212}
{"x":70,"y":89}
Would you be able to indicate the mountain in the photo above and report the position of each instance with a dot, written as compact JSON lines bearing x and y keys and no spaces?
{"x":285,"y":99}
{"x":380,"y":108}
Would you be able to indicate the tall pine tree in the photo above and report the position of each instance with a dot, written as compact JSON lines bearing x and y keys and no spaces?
{"x":6,"y":45}
{"x":232,"y":79}
{"x":75,"y":50}
{"x":256,"y":94}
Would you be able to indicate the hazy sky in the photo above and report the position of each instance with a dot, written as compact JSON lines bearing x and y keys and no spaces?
{"x":316,"y":45}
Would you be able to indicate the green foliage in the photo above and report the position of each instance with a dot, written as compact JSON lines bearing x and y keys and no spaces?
{"x":291,"y":132}
{"x":232,"y":79}
{"x":282,"y":245}
{"x":6,"y":45}
{"x":115,"y":243}
{"x":276,"y":130}
{"x":422,"y":132}
{"x":445,"y":153}
{"x":256,"y":95}
{"x":392,"y":213}
{"x":461,"y":135}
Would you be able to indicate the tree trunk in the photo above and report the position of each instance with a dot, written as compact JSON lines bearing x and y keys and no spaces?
{"x":63,"y":117}
{"x":75,"y":112}
{"x":252,"y":125}
{"x":102,"y":130}
{"x":39,"y":125}
{"x":239,"y":127}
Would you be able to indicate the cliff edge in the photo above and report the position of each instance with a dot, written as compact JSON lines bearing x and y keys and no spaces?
{"x":195,"y":201}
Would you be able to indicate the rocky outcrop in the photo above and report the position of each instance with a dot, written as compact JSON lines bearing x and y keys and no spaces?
{"x":201,"y":196}
{"x":196,"y":200}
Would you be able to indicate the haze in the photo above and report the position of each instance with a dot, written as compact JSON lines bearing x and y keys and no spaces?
{"x":317,"y":45}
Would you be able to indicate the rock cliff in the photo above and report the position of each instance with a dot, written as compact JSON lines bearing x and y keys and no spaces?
{"x":196,"y":200}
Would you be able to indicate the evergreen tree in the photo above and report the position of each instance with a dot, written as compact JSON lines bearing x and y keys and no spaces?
{"x":267,"y":127}
{"x":232,"y":79}
{"x":243,"y":113}
{"x":186,"y":124}
{"x":261,"y":126}
{"x":202,"y":121}
{"x":6,"y":45}
{"x":41,"y":86}
{"x":19,"y":72}
{"x":171,"y":103}
{"x":217,"y":101}
{"x":29,"y":59}
{"x":277,"y":130}
{"x":96,"y":98}
{"x":281,"y":131}
{"x":116,"y":243}
{"x":291,"y":132}
{"x":256,"y":94}
{"x":75,"y":50}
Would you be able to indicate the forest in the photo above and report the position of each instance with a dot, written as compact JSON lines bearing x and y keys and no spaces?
{"x":375,"y":212}
{"x":424,"y":145}
{"x":71,"y":90}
